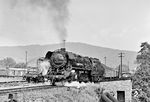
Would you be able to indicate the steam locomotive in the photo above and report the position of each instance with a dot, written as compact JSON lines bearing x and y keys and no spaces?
{"x":61,"y":65}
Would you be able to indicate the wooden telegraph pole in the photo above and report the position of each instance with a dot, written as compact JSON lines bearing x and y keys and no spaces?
{"x":26,"y":59}
{"x":120,"y":71}
{"x":105,"y":59}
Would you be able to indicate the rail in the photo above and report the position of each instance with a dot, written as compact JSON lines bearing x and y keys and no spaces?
{"x":26,"y":88}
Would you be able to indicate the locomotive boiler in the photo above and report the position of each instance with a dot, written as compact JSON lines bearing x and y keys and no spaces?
{"x":61,"y":65}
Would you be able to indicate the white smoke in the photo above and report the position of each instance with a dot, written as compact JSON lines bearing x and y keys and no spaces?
{"x":44,"y":67}
{"x":77,"y":84}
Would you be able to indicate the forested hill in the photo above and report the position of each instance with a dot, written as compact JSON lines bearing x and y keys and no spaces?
{"x":36,"y":51}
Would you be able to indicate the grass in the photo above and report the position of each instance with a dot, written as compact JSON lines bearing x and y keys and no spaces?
{"x":70,"y":94}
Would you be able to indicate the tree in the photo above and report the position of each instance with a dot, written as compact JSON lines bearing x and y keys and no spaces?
{"x":8,"y":62}
{"x":141,"y":78}
{"x":20,"y":65}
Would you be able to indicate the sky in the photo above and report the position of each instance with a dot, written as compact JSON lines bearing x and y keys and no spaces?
{"x":118,"y":24}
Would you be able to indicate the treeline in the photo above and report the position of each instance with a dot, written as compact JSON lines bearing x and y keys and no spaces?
{"x":10,"y":62}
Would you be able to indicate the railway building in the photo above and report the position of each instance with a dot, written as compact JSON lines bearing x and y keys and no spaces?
{"x":121,"y":88}
{"x":10,"y":72}
{"x":17,"y":71}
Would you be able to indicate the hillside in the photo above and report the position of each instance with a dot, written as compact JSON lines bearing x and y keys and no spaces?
{"x":36,"y":51}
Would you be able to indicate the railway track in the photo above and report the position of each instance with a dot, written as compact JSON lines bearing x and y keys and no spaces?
{"x":26,"y":88}
{"x":12,"y":82}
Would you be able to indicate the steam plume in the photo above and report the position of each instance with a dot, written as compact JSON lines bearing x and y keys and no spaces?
{"x":57,"y":11}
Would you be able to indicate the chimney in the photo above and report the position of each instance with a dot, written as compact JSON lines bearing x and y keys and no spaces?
{"x":64,"y":41}
{"x":63,"y":46}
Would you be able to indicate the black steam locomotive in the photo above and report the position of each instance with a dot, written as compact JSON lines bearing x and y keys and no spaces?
{"x":61,"y":65}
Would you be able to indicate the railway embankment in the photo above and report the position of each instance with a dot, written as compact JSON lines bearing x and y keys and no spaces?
{"x":56,"y":94}
{"x":71,"y":92}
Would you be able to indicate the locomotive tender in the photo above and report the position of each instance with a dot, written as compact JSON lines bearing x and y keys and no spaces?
{"x":61,"y":65}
